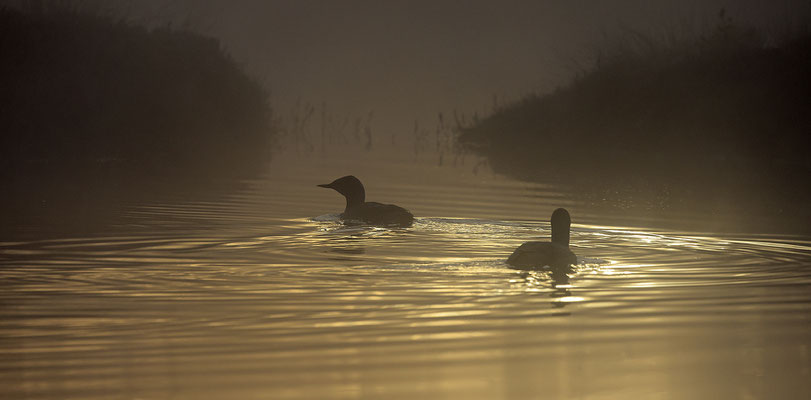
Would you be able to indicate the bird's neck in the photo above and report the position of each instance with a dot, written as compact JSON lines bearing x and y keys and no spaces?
{"x":561,"y":225}
{"x":560,"y":234}
{"x":561,"y":238}
{"x":355,"y":200}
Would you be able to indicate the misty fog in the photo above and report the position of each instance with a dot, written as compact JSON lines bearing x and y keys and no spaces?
{"x":316,"y":199}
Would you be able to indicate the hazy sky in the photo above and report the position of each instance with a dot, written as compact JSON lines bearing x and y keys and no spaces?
{"x":412,"y":59}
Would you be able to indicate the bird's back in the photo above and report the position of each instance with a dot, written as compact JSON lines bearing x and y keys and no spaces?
{"x":540,"y":254}
{"x":379,"y":214}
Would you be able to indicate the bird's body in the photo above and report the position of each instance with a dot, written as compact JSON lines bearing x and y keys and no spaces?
{"x":378,"y":214}
{"x":370,"y":212}
{"x":556,"y":253}
{"x":540,"y":254}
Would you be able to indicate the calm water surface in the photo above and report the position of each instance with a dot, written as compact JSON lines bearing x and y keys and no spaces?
{"x":263,"y":295}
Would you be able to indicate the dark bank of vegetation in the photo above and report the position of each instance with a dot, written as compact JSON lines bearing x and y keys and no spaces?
{"x":81,"y":88}
{"x":96,"y":109}
{"x":720,"y":122}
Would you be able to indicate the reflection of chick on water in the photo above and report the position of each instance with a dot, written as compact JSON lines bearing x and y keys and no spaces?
{"x":561,"y":293}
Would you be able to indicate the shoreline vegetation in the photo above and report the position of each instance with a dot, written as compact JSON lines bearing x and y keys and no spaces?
{"x":717,"y":122}
{"x":98,"y":112}
{"x":83,"y":90}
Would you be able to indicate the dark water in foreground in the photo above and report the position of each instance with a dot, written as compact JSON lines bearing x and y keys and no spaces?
{"x":263,"y":295}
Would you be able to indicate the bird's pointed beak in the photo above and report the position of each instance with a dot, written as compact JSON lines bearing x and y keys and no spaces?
{"x":325,"y":185}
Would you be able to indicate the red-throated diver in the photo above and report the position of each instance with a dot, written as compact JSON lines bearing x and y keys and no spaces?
{"x":358,"y":209}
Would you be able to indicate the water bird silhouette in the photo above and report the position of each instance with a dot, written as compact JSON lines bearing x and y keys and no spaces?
{"x":359,"y":210}
{"x":555,"y":254}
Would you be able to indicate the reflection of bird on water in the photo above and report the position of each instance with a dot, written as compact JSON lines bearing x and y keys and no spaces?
{"x":556,"y":278}
{"x":555,"y":254}
{"x":358,"y":209}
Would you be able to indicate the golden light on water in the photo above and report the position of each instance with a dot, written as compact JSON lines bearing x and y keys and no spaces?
{"x":422,"y":310}
{"x":569,"y":299}
{"x":162,"y":234}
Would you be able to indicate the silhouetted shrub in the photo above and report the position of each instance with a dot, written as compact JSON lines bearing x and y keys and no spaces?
{"x":78,"y":88}
{"x":723,"y":103}
{"x":718,"y":119}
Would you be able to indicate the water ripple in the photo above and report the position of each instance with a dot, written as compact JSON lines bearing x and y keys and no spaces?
{"x":254,"y":304}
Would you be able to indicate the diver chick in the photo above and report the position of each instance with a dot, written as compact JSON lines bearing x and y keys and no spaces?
{"x":556,"y":253}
